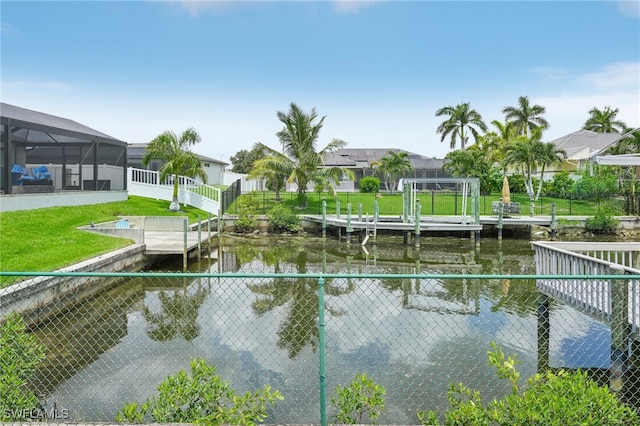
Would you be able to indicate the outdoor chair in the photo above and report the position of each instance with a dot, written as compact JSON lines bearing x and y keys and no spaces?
{"x":19,"y":175}
{"x":41,"y":173}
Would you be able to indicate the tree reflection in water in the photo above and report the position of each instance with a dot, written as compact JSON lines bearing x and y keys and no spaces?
{"x":300,"y":328}
{"x":178,"y":315}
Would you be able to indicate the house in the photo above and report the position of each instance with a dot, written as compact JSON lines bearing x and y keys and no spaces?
{"x":74,"y":157}
{"x":581,"y":147}
{"x":213,"y":168}
{"x":363,"y":163}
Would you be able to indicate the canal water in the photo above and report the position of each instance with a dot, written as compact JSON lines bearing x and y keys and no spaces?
{"x":414,"y":337}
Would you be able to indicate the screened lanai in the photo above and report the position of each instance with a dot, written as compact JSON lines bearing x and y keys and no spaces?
{"x":75,"y":157}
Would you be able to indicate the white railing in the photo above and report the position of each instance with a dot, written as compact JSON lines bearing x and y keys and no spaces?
{"x":592,"y":296}
{"x":147,"y":183}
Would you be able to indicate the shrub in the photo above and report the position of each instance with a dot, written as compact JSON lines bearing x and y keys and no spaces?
{"x":553,"y":398}
{"x":602,"y":222}
{"x":201,"y":396}
{"x":283,"y":219}
{"x":20,"y":354}
{"x":369,"y":184}
{"x":362,"y":396}
{"x":247,"y":208}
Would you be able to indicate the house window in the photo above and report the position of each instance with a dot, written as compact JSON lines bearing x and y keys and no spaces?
{"x":206,"y":165}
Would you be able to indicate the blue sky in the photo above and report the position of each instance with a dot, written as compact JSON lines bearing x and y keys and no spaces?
{"x":378,"y":70}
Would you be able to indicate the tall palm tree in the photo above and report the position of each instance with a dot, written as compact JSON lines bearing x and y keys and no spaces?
{"x":529,"y":155}
{"x":604,"y":121}
{"x":393,"y":166}
{"x":178,"y":160}
{"x":461,"y":121}
{"x":526,"y":117}
{"x":299,"y":138}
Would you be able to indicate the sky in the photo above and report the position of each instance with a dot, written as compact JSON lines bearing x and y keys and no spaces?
{"x":376,"y":70}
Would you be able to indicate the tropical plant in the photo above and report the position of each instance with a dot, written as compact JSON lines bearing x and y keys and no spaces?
{"x":550,"y":398}
{"x":178,"y":160}
{"x":20,"y":354}
{"x":361,"y":399}
{"x":526,"y":117}
{"x":392,"y":167}
{"x":282,"y":219}
{"x":595,"y":184}
{"x":604,"y":121}
{"x":200,"y":396}
{"x":494,"y":142}
{"x":461,"y":120}
{"x":369,"y":184}
{"x":274,"y":168}
{"x":247,"y":209}
{"x":299,"y":138}
{"x":602,"y":222}
{"x":526,"y":155}
{"x":471,"y":162}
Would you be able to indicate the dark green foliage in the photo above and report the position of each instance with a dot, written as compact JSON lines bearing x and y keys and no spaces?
{"x":560,"y":186}
{"x":282,"y":219}
{"x":243,"y":160}
{"x":370,"y":184}
{"x":596,"y":186}
{"x":363,"y":397}
{"x":247,"y":209}
{"x":602,"y":222}
{"x":516,"y":184}
{"x":20,"y":354}
{"x":551,"y":399}
{"x":200,"y":397}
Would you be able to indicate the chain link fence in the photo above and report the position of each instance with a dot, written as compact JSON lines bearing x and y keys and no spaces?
{"x":413,"y":334}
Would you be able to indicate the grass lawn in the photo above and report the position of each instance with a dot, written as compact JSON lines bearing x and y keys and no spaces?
{"x":48,"y":239}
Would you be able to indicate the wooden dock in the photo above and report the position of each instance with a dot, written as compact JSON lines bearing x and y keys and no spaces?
{"x":427,"y":223}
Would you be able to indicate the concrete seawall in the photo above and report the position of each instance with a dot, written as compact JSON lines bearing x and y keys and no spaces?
{"x":42,"y":297}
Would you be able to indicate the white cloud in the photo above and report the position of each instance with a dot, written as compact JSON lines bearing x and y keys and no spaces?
{"x":623,"y":75}
{"x":630,"y":7}
{"x":352,"y":6}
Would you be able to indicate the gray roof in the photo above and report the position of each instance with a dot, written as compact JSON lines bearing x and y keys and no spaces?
{"x":136,"y":150}
{"x":51,"y":124}
{"x":578,"y":141}
{"x":349,"y":157}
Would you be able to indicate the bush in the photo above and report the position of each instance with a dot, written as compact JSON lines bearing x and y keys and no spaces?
{"x":602,"y":222}
{"x":369,"y":184}
{"x":20,"y":354}
{"x":362,"y":396}
{"x":563,"y":398}
{"x":282,"y":219}
{"x":560,"y":186}
{"x":247,"y":208}
{"x":201,"y":396}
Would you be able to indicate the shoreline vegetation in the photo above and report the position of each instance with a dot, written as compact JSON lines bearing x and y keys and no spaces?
{"x":48,"y":239}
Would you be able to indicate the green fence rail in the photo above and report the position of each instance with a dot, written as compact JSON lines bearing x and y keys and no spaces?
{"x":306,"y":335}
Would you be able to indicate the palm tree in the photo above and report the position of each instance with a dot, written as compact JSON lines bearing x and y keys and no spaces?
{"x":495,"y":142}
{"x":472,"y":162}
{"x":527,"y":154}
{"x":461,"y":120}
{"x":526,"y":117}
{"x":178,"y":159}
{"x":274,"y":168}
{"x":299,"y":138}
{"x":393,"y":166}
{"x":604,"y":121}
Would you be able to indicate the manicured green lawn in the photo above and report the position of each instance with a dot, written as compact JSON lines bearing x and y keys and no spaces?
{"x":47,"y":239}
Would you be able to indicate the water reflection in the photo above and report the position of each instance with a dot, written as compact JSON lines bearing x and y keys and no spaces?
{"x":178,"y":313}
{"x":414,"y":336}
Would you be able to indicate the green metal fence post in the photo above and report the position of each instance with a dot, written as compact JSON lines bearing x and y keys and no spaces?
{"x":323,"y":402}
{"x":348,"y":223}
{"x":324,"y":218}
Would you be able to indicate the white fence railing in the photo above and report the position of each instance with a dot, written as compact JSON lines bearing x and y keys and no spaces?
{"x":147,"y":183}
{"x":593,"y":297}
